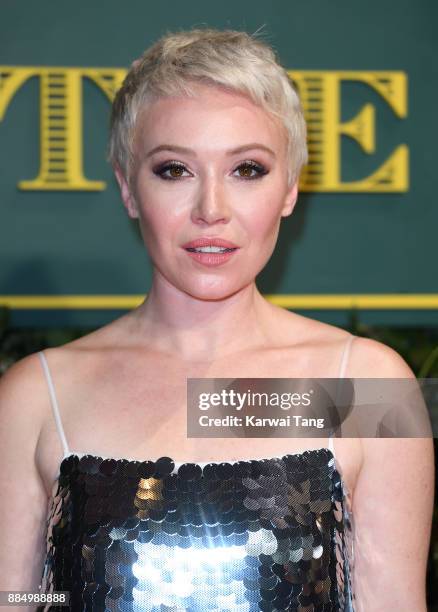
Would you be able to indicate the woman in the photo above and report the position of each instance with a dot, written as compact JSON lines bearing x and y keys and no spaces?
{"x":207,"y":143}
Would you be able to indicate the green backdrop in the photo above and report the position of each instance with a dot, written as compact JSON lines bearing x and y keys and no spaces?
{"x":81,"y":243}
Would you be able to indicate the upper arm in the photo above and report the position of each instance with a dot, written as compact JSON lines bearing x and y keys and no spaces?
{"x":23,"y":504}
{"x":392,"y":505}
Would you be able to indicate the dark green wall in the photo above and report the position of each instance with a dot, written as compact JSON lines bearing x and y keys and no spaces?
{"x":82,"y":243}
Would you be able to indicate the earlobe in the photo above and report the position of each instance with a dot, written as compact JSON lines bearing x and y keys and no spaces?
{"x":125,"y":192}
{"x":290,"y":200}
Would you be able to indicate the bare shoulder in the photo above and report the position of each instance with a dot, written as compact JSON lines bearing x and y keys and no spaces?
{"x":23,"y":396}
{"x":367,"y":358}
{"x":370,"y":358}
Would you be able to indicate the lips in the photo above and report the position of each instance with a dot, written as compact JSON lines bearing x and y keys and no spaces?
{"x":205,"y":241}
{"x":212,"y":258}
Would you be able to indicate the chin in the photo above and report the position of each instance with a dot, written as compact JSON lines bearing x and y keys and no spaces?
{"x":213,"y":293}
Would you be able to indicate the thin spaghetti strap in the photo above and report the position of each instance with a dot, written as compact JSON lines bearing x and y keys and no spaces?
{"x":330,"y":444}
{"x":341,"y":374}
{"x":54,"y":403}
{"x":345,"y":355}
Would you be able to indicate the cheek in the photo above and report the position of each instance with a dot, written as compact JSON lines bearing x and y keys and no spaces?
{"x":161,"y":210}
{"x":159,"y":228}
{"x":153,"y":212}
{"x":265,"y":219}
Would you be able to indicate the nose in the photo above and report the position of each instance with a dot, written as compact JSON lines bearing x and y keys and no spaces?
{"x":211,"y":205}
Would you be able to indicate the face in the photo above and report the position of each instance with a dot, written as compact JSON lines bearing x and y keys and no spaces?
{"x":213,"y":166}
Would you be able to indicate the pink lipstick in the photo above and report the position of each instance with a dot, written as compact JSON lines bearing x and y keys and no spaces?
{"x":210,"y":251}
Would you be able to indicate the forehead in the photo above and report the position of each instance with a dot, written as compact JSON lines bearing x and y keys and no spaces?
{"x":213,"y":120}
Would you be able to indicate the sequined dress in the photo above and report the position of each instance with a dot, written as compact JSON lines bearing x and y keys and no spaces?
{"x":273,"y":534}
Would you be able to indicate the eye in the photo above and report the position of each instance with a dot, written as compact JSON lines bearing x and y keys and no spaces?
{"x":175,"y":169}
{"x":246,"y":169}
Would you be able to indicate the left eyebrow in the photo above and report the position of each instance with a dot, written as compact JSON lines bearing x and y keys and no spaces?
{"x":241,"y":149}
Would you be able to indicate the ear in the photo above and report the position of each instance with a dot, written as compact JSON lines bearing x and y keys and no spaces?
{"x":125,"y":192}
{"x":290,"y":200}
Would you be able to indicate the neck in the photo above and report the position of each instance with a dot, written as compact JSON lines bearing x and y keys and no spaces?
{"x":175,"y":322}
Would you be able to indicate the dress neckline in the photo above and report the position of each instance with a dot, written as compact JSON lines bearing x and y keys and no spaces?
{"x":178,"y":464}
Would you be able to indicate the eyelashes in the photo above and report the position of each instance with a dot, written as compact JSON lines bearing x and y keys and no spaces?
{"x":248,"y":167}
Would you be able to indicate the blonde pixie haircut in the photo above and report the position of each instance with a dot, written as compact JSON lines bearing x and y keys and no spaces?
{"x":227,"y":58}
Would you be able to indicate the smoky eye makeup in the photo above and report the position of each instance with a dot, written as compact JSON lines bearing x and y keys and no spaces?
{"x":173,"y":170}
{"x":249,"y":166}
{"x":172,"y":166}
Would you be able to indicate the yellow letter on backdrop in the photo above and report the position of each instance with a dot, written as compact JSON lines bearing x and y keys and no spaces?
{"x":61,"y":143}
{"x":320,"y":94}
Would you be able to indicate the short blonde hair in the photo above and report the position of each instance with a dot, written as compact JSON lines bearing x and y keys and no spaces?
{"x":228,"y":58}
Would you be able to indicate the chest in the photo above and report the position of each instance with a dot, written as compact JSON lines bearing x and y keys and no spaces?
{"x":117,"y":408}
